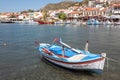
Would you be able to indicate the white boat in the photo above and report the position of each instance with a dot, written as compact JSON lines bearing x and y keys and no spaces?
{"x":108,"y":22}
{"x":29,"y":21}
{"x":71,"y":58}
{"x":63,"y":22}
{"x":75,"y":22}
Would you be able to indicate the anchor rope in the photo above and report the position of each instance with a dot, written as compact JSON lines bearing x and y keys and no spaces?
{"x":110,"y":59}
{"x":113,"y":60}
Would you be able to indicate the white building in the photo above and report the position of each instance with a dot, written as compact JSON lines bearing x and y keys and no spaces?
{"x":103,"y":1}
{"x":91,"y":3}
{"x":3,"y":16}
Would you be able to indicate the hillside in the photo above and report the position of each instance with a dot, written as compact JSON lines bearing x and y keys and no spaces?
{"x":61,"y":5}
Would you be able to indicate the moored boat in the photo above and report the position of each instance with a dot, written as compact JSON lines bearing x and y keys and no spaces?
{"x":6,"y":21}
{"x":45,"y":22}
{"x":71,"y":58}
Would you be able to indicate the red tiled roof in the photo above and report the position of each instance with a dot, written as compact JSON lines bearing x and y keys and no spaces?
{"x":115,"y":4}
{"x":90,"y":9}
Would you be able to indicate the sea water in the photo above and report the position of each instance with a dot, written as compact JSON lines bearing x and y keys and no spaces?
{"x":20,"y":58}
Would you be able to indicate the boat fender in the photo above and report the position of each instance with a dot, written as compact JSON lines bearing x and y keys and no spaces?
{"x":103,"y":54}
{"x":47,"y":51}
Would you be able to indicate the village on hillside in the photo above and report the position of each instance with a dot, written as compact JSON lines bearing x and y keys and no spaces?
{"x":95,"y":12}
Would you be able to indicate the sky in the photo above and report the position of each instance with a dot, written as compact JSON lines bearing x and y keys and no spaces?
{"x":21,"y":5}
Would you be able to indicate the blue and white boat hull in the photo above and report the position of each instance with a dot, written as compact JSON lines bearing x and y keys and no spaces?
{"x":73,"y":58}
{"x":88,"y":65}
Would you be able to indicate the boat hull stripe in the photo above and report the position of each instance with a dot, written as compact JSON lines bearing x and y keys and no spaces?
{"x":86,"y":62}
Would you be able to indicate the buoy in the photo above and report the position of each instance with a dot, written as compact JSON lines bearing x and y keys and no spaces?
{"x":4,"y":44}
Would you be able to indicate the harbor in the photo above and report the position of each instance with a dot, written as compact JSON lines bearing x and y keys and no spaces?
{"x":92,"y":13}
{"x":21,"y":60}
{"x":60,"y":40}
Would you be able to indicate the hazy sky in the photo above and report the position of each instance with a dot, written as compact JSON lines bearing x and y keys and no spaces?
{"x":20,"y":5}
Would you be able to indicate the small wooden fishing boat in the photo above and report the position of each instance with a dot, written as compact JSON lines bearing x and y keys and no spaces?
{"x":44,"y":22}
{"x":64,"y":55}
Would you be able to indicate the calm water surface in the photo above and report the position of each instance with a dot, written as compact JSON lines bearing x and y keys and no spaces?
{"x":20,"y":60}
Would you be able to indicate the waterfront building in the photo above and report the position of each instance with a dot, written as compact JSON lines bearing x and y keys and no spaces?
{"x":7,"y":15}
{"x":92,"y":12}
{"x":116,"y":8}
{"x":114,"y":13}
{"x":74,"y":14}
{"x":3,"y":16}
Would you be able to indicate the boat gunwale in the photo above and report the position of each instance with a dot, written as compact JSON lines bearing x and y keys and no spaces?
{"x":64,"y":60}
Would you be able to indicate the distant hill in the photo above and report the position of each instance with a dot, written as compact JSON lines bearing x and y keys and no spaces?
{"x":61,"y":5}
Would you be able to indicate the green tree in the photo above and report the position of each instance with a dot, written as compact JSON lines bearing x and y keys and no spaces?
{"x":62,"y":16}
{"x":30,"y":10}
{"x":23,"y":12}
{"x":12,"y":16}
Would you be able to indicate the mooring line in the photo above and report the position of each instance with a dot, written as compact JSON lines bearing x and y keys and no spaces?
{"x":113,"y":60}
